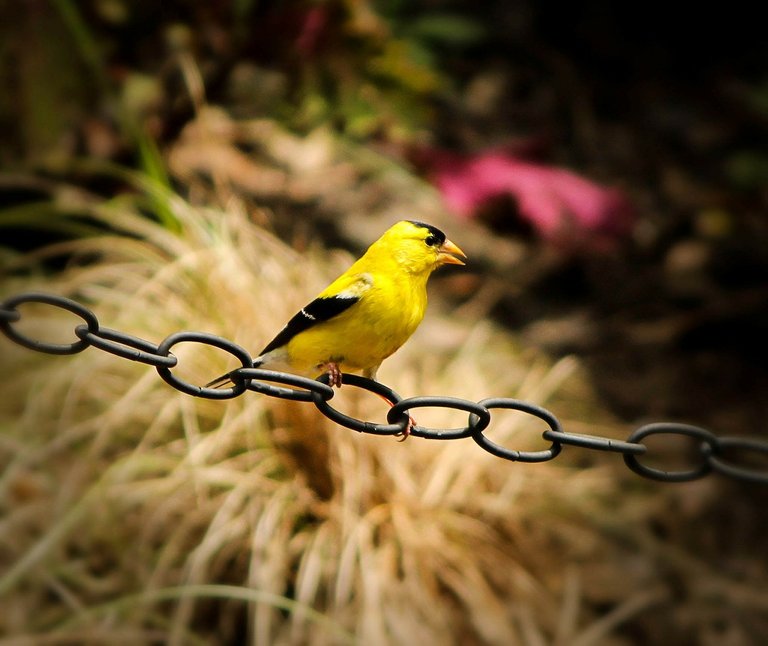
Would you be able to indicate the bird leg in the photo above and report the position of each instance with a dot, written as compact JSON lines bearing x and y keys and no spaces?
{"x":334,"y":373}
{"x":411,"y":422}
{"x":370,"y":373}
{"x":407,"y":430}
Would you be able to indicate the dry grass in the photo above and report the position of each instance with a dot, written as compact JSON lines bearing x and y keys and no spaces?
{"x":135,"y":514}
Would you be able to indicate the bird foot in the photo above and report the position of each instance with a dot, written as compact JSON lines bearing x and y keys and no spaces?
{"x":334,"y":374}
{"x":403,"y":435}
{"x":407,"y":430}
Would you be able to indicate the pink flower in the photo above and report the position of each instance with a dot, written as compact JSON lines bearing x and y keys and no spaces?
{"x":560,"y":205}
{"x":313,"y":25}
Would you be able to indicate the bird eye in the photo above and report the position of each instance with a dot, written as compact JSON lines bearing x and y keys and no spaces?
{"x":430,"y":240}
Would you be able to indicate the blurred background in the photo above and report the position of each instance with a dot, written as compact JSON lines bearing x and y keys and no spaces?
{"x":211,"y":166}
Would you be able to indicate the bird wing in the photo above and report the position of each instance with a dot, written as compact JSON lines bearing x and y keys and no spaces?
{"x":338,"y":297}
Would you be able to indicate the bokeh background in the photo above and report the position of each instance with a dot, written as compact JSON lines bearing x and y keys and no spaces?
{"x":211,"y":166}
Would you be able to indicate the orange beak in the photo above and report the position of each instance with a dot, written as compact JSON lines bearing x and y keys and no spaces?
{"x":448,"y":252}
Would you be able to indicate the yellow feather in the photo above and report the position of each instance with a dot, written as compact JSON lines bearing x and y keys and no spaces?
{"x":390,"y":281}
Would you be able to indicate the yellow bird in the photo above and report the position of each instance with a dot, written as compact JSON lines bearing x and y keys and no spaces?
{"x":367,"y":313}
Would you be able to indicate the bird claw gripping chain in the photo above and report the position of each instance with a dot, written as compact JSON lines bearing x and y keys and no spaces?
{"x":713,"y":454}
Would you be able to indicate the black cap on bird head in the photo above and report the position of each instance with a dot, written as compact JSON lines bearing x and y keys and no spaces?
{"x":438,"y":235}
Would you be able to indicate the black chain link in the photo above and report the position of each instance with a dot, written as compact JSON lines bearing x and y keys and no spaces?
{"x":708,"y":451}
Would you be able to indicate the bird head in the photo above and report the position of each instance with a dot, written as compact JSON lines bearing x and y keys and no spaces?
{"x":417,"y":247}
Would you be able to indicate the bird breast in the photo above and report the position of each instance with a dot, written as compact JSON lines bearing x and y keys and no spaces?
{"x":369,"y":331}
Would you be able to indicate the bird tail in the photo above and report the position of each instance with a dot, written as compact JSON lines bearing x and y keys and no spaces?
{"x":225,"y":381}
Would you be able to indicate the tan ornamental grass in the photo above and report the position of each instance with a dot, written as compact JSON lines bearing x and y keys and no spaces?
{"x":132,"y":513}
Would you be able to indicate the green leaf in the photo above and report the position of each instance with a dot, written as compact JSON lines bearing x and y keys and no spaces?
{"x":447,"y":29}
{"x":152,"y":165}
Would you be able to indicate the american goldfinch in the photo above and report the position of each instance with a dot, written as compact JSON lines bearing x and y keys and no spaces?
{"x":367,"y":313}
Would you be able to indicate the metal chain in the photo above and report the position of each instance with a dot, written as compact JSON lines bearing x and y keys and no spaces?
{"x":709,"y":452}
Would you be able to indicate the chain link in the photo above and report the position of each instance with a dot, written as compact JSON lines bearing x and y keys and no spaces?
{"x":708,"y":452}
